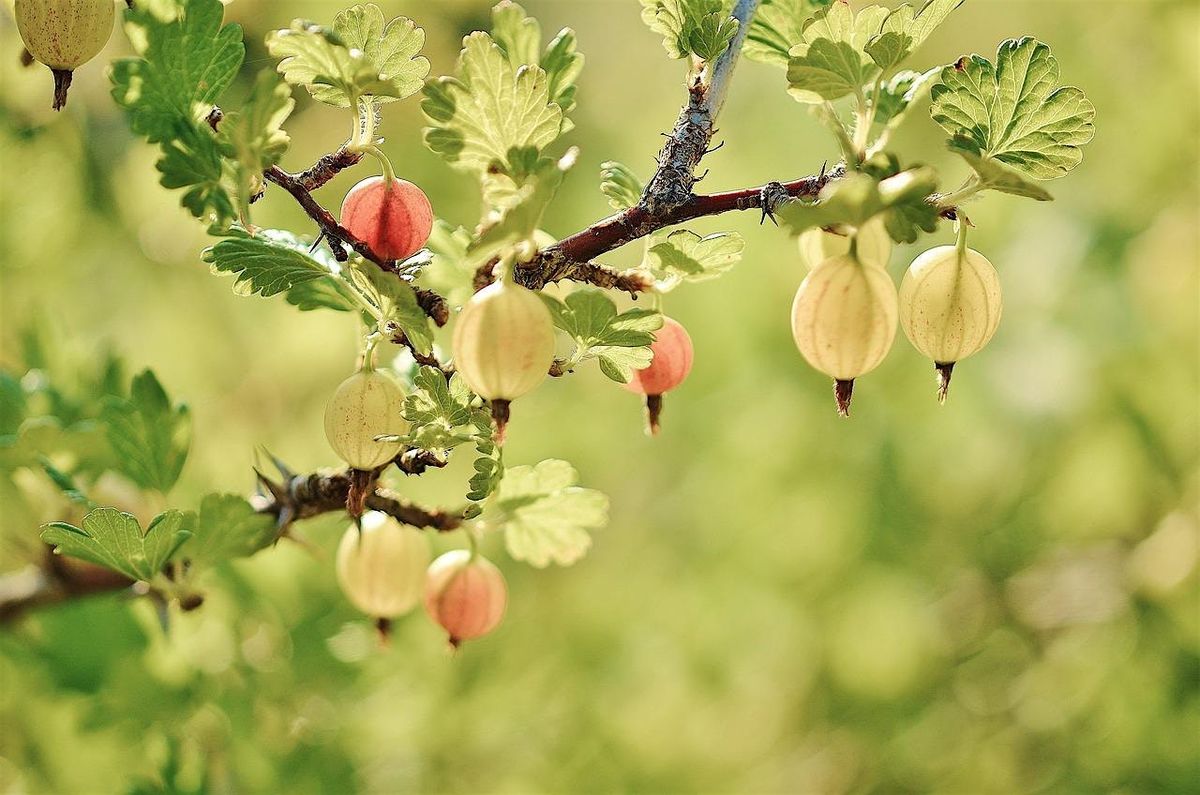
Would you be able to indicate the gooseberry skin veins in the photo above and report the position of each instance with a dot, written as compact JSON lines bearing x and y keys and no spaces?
{"x":504,"y":341}
{"x":950,"y":308}
{"x":381,"y":570}
{"x":465,"y":595}
{"x":672,"y":353}
{"x":395,"y":222}
{"x":874,"y":244}
{"x":844,"y":317}
{"x":365,"y":405}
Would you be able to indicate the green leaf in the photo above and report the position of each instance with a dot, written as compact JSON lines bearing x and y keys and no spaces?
{"x":274,"y":261}
{"x":440,"y":411}
{"x":711,"y":37}
{"x":519,"y":37}
{"x":547,"y":517}
{"x":490,"y":110}
{"x":520,"y":220}
{"x":621,"y":342}
{"x":66,"y":484}
{"x":620,"y":185}
{"x":685,"y":256}
{"x":1015,"y":112}
{"x":777,"y":27}
{"x":994,"y":175}
{"x":116,"y":541}
{"x":83,"y":443}
{"x":253,"y":136}
{"x":903,"y":200}
{"x":148,"y":434}
{"x":228,"y":527}
{"x":829,"y":61}
{"x":395,"y":302}
{"x":699,"y":28}
{"x":451,"y":272}
{"x":193,"y":160}
{"x":904,"y":30}
{"x":392,"y":49}
{"x":897,"y":95}
{"x":488,"y":466}
{"x":358,"y":57}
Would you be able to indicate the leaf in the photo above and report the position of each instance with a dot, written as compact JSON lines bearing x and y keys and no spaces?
{"x":690,"y":27}
{"x":1013,"y":112}
{"x":450,"y":273}
{"x":897,"y":95}
{"x":192,"y":160}
{"x":83,"y":443}
{"x":621,"y":342}
{"x":547,"y":517}
{"x":684,"y":256}
{"x":905,"y":30}
{"x":274,"y":261}
{"x":711,"y":37}
{"x":228,"y":527}
{"x":184,"y":65}
{"x":777,"y":27}
{"x":620,"y":185}
{"x":440,"y":411}
{"x":392,"y":49}
{"x":12,"y":403}
{"x":489,"y":110}
{"x":396,"y":302}
{"x":519,"y":37}
{"x":520,"y":220}
{"x":903,"y":200}
{"x":994,"y":175}
{"x":358,"y":57}
{"x":116,"y":541}
{"x":253,"y":136}
{"x":148,"y":434}
{"x":829,"y":61}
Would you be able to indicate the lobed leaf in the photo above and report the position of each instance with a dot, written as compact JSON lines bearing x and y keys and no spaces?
{"x":547,"y":516}
{"x":148,"y":434}
{"x":620,"y":185}
{"x":227,"y":527}
{"x":684,"y":256}
{"x":115,"y":540}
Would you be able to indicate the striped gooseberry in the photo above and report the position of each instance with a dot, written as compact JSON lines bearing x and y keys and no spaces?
{"x":366,"y":405}
{"x":64,"y":35}
{"x":381,"y":567}
{"x":393,"y":217}
{"x":844,"y":321}
{"x":465,"y":594}
{"x":874,"y":244}
{"x":670,"y":363}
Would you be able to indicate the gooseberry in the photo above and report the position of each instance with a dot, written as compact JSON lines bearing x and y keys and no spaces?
{"x":64,"y":35}
{"x":381,"y":567}
{"x":465,"y":594}
{"x":503,"y":345}
{"x":366,"y":405}
{"x":393,"y":218}
{"x":950,"y":305}
{"x":874,"y":244}
{"x":670,"y":363}
{"x":844,"y":321}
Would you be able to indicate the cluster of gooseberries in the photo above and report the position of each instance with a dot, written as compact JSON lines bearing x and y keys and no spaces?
{"x":845,"y":313}
{"x":844,"y":321}
{"x":63,"y":35}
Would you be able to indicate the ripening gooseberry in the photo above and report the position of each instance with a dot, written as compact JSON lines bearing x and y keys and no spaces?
{"x":844,"y":321}
{"x":64,"y":35}
{"x":503,"y":345}
{"x":950,"y":306}
{"x":874,"y":244}
{"x":671,"y":361}
{"x":366,"y":405}
{"x":393,"y":218}
{"x":381,"y":568}
{"x":465,"y":594}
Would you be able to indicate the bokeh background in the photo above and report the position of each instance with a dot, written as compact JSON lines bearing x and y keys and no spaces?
{"x":998,"y":595}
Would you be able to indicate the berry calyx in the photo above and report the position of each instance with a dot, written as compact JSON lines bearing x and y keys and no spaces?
{"x":393,"y":217}
{"x":503,"y":345}
{"x":844,"y":321}
{"x":366,"y":405}
{"x":64,"y":35}
{"x":465,"y":594}
{"x":670,"y":363}
{"x":381,"y":567}
{"x":873,"y":243}
{"x":950,"y":306}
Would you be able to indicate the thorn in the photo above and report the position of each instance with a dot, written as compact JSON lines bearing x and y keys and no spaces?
{"x":702,"y":176}
{"x":715,"y":148}
{"x":317,"y":242}
{"x":277,"y":490}
{"x":843,"y":391}
{"x":284,"y":470}
{"x":821,"y":176}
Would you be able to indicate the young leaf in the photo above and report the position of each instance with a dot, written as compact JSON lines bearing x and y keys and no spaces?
{"x":227,"y":527}
{"x":905,"y":30}
{"x":903,"y":199}
{"x":116,"y":541}
{"x":546,"y":515}
{"x":830,"y":62}
{"x":685,"y":256}
{"x":897,"y":95}
{"x":620,"y":185}
{"x":488,"y":465}
{"x":148,"y":434}
{"x":777,"y":27}
{"x":1013,"y":112}
{"x":253,"y":136}
{"x":395,"y":302}
{"x":392,"y":49}
{"x":439,"y":410}
{"x":699,"y":28}
{"x":274,"y":261}
{"x":520,"y":220}
{"x":489,"y":110}
{"x":519,"y":36}
{"x":711,"y":37}
{"x":186,"y":59}
{"x":450,"y":273}
{"x":619,"y":341}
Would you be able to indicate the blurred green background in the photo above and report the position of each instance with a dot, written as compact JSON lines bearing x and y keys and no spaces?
{"x":995,"y":596}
